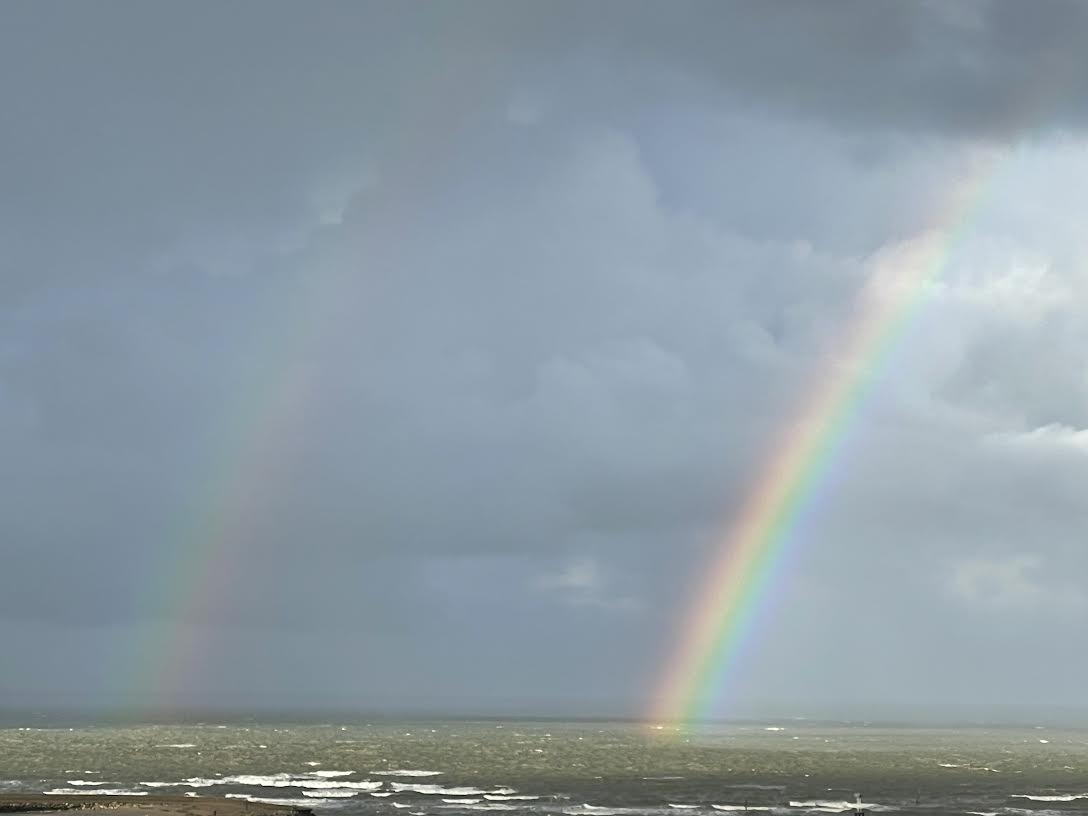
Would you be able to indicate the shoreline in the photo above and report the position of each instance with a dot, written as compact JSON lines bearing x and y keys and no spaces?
{"x":146,"y":805}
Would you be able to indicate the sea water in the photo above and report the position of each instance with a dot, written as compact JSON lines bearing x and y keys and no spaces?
{"x":445,"y":768}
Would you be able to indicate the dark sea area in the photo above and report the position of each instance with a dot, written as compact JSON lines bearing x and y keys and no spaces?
{"x":445,"y":768}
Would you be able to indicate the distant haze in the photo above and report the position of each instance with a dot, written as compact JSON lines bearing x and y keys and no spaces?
{"x":414,"y":357}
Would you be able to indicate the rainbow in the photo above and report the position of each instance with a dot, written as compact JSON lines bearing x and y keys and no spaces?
{"x":759,"y":538}
{"x":206,"y":568}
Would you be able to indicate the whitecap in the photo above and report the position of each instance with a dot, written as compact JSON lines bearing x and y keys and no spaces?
{"x":462,"y":801}
{"x":177,"y":745}
{"x":1056,"y":797}
{"x":834,"y":806}
{"x":682,"y":807}
{"x":505,"y":797}
{"x":407,"y":772}
{"x":329,"y":774}
{"x":283,"y":780}
{"x":740,"y":807}
{"x":84,"y":782}
{"x":438,"y":790}
{"x":331,"y":794}
{"x":96,"y":792}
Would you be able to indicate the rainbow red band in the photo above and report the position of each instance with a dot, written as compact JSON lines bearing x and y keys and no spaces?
{"x":767,"y":527}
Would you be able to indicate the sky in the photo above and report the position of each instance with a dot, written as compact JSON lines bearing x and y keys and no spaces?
{"x":402,"y":357}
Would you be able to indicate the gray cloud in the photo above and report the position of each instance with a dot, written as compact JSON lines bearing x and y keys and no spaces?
{"x":448,"y":341}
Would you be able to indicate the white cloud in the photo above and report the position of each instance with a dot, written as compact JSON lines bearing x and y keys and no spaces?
{"x":1046,"y":439}
{"x":1014,"y":583}
{"x":582,"y":582}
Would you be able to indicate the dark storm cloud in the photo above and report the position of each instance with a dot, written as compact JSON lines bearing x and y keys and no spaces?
{"x":490,"y":313}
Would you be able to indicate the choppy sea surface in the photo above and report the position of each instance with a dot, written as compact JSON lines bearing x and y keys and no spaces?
{"x":574,"y":769}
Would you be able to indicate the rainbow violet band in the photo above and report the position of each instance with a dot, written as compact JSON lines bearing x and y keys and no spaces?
{"x":740,"y":577}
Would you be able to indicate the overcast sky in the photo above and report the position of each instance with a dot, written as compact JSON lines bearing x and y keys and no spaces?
{"x":418,"y":355}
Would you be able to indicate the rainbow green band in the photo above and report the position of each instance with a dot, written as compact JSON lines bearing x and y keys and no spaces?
{"x":742,"y":575}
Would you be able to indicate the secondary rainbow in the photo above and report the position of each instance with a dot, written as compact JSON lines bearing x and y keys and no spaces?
{"x":209,"y":566}
{"x":739,"y":580}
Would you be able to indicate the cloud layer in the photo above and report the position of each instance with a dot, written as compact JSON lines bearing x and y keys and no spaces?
{"x":436,"y":347}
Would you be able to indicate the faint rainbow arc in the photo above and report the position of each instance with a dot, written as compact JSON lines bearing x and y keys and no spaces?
{"x":204,"y":564}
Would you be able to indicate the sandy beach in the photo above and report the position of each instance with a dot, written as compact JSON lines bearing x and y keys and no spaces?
{"x":145,"y":805}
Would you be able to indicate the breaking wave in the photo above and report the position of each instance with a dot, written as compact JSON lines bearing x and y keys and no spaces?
{"x":95,"y":792}
{"x":309,"y":781}
{"x":439,"y":790}
{"x":271,"y":800}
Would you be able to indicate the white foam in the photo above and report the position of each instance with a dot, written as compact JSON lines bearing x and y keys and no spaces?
{"x":400,"y":805}
{"x":313,"y":764}
{"x":439,"y":790}
{"x":774,"y":728}
{"x":740,"y":807}
{"x":1056,"y":797}
{"x":407,"y":772}
{"x":326,"y":784}
{"x":506,"y":797}
{"x":329,"y":774}
{"x":834,"y":806}
{"x":481,"y":806}
{"x":462,"y":801}
{"x":84,"y":782}
{"x":177,"y":745}
{"x":283,"y":780}
{"x":382,"y":794}
{"x":96,"y":791}
{"x":162,"y":784}
{"x":332,"y":794}
{"x":682,"y":807}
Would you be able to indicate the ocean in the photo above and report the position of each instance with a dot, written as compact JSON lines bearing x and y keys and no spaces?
{"x":446,"y":768}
